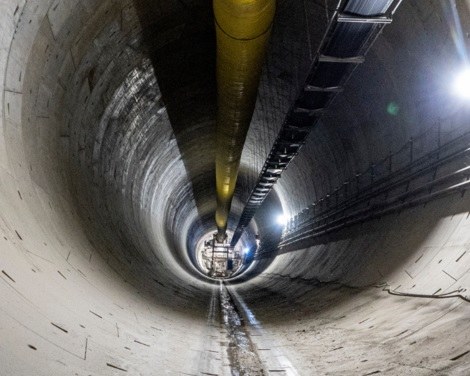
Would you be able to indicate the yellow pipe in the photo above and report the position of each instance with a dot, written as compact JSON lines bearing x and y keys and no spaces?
{"x":242,"y":30}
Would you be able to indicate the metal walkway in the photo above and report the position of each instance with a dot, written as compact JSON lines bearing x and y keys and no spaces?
{"x":352,"y":30}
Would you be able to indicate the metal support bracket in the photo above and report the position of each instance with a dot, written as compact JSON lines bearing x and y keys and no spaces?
{"x":342,"y":60}
{"x":344,"y":18}
{"x":331,"y":89}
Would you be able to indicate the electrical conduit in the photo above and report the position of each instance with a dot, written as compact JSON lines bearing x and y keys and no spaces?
{"x":242,"y":30}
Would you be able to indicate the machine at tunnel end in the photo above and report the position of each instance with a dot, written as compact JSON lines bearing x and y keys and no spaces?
{"x":256,"y":249}
{"x":222,"y":261}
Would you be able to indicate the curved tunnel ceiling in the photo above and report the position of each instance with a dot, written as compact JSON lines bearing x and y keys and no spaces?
{"x":107,"y":183}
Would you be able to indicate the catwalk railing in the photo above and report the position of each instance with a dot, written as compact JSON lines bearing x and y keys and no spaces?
{"x":406,"y":178}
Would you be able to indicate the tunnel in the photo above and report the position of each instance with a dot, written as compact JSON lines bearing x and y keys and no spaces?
{"x":107,"y":191}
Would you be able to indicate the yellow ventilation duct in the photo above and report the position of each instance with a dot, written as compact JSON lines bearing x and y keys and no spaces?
{"x":242,"y":29}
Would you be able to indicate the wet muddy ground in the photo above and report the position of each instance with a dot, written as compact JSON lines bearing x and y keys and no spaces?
{"x":242,"y":354}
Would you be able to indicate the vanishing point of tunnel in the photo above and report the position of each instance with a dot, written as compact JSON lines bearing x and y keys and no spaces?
{"x":234,"y":187}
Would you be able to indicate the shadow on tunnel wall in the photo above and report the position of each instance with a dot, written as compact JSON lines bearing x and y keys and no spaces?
{"x":179,"y":38}
{"x":401,"y":250}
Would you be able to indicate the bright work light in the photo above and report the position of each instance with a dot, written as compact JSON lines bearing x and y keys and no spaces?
{"x":462,"y":84}
{"x":281,"y":219}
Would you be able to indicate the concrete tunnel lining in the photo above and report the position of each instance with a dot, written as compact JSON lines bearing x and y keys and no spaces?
{"x":102,"y":187}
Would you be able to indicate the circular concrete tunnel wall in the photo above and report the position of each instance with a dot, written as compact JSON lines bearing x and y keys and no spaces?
{"x":107,"y":183}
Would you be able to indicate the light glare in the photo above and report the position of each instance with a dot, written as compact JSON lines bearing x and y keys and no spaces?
{"x":462,"y":84}
{"x":281,"y":219}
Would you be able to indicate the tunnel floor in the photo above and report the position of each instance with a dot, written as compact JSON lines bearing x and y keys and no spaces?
{"x":333,"y":330}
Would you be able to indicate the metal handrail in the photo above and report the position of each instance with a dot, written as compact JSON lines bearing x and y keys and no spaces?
{"x":348,"y":211}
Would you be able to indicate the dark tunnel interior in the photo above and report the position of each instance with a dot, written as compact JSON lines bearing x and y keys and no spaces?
{"x":107,"y":189}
